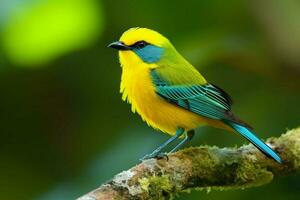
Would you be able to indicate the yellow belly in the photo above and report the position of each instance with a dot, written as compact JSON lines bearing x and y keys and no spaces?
{"x":165,"y":116}
{"x":139,"y":90}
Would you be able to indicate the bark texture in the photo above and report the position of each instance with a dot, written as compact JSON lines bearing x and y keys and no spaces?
{"x":203,"y":168}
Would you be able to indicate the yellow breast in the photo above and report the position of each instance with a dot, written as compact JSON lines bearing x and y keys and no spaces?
{"x":138,"y":89}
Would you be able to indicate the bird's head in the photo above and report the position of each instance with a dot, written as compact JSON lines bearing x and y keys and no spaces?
{"x":143,"y":45}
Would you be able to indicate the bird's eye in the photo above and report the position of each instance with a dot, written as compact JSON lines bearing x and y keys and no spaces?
{"x":140,"y":44}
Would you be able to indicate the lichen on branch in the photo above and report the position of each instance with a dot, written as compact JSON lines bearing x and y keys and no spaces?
{"x":203,"y":168}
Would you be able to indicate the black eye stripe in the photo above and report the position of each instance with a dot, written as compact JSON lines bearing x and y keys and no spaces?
{"x":139,"y":44}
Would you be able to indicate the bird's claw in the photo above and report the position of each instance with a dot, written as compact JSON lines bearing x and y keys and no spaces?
{"x":162,"y":155}
{"x":157,"y":156}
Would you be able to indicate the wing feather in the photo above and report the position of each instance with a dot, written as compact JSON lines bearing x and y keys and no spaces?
{"x":207,"y":100}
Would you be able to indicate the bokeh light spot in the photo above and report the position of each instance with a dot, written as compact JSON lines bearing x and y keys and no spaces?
{"x":45,"y":30}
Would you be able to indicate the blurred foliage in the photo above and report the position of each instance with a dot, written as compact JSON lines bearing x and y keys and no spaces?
{"x":64,"y":129}
{"x":37,"y":32}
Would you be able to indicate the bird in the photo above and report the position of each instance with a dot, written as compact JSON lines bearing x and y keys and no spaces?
{"x":171,"y":95}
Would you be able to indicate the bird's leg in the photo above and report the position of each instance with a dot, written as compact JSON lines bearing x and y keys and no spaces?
{"x":157,"y":151}
{"x":189,"y":136}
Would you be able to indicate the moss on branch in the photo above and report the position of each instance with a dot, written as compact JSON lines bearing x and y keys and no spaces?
{"x":203,"y":168}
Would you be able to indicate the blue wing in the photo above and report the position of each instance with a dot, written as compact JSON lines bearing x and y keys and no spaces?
{"x":206,"y":100}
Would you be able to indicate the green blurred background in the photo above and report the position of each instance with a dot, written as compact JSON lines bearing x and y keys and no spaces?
{"x":64,"y":129}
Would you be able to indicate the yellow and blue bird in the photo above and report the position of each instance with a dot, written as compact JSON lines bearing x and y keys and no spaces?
{"x":170,"y":94}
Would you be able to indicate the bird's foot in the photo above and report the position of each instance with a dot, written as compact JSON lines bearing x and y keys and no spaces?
{"x":162,"y":155}
{"x":156,"y":155}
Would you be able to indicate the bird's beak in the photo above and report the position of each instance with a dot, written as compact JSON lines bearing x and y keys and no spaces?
{"x":119,"y":46}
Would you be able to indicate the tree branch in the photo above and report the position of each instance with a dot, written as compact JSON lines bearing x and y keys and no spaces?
{"x":201,"y":168}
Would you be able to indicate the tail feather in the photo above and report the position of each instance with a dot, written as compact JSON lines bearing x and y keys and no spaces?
{"x":251,"y":137}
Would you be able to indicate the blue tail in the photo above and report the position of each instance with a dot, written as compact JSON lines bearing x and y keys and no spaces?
{"x":251,"y":137}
